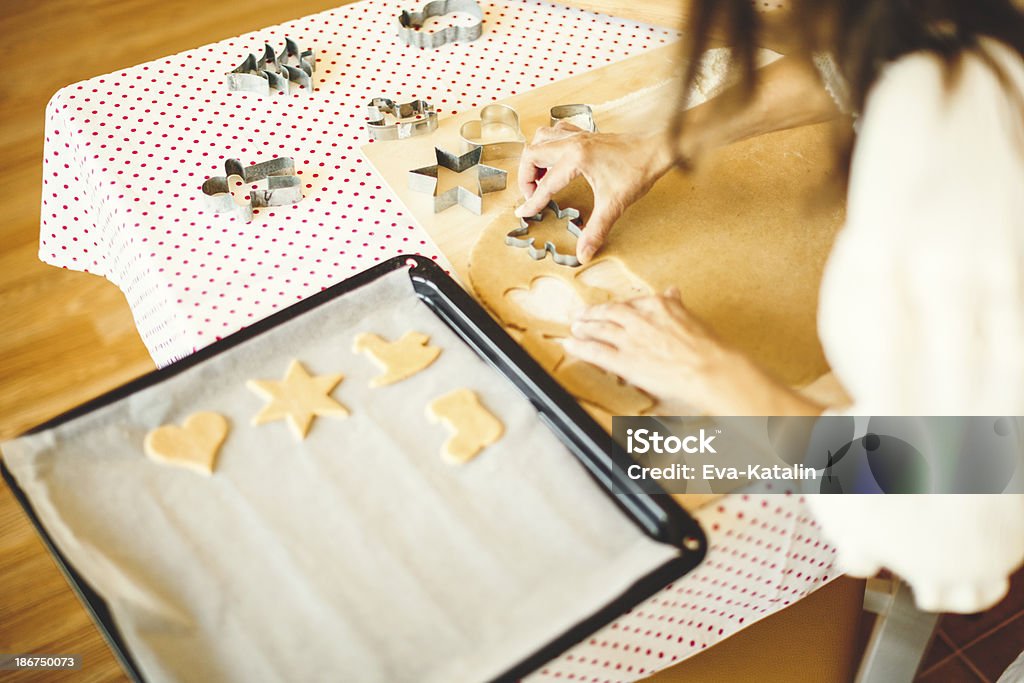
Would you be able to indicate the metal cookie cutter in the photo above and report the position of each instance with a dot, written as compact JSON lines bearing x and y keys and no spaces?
{"x":580,"y":115}
{"x":493,"y":117}
{"x":516,"y":237}
{"x":283,"y":186}
{"x":489,"y":179}
{"x":273,"y":70}
{"x":380,"y":129}
{"x":410,"y":23}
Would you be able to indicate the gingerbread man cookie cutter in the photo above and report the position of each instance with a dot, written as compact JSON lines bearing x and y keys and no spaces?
{"x":274,"y":71}
{"x":410,"y":23}
{"x":424,"y":119}
{"x":283,"y":186}
{"x":580,"y":115}
{"x":489,"y":179}
{"x":520,"y":236}
{"x":494,"y":117}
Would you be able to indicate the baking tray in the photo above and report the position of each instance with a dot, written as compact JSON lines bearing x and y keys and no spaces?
{"x":657,"y":515}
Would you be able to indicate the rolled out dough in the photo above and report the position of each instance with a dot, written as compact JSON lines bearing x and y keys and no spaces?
{"x":603,"y":390}
{"x":745,"y":240}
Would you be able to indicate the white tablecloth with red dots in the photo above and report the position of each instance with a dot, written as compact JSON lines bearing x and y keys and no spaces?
{"x":126,"y":154}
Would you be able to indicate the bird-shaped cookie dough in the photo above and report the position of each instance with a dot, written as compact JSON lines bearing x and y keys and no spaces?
{"x":399,"y":359}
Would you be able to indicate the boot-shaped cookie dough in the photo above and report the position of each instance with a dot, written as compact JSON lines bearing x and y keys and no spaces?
{"x":471,"y":425}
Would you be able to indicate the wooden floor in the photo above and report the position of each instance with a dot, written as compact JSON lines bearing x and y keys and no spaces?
{"x":66,"y":337}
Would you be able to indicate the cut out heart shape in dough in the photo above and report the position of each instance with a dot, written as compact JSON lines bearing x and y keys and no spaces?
{"x":547,"y":299}
{"x":194,"y":445}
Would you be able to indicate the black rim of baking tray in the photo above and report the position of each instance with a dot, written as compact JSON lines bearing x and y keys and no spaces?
{"x":656,"y":515}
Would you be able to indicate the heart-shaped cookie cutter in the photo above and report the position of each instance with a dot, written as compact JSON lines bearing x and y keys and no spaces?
{"x":515,"y":237}
{"x":580,"y":115}
{"x":422,"y":112}
{"x":283,"y":186}
{"x":410,"y":23}
{"x":494,"y":116}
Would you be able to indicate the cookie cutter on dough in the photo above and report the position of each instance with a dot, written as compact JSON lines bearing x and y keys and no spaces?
{"x":274,"y":71}
{"x":473,"y":133}
{"x":410,"y":23}
{"x":516,"y":237}
{"x":489,"y":179}
{"x":580,"y":115}
{"x":425,"y":119}
{"x":283,"y":186}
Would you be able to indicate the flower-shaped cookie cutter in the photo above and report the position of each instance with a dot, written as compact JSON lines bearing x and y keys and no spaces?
{"x":520,"y":236}
{"x":410,"y":23}
{"x":283,"y":186}
{"x":489,"y":179}
{"x":580,"y":115}
{"x":422,"y":115}
{"x":274,"y":71}
{"x":494,"y":117}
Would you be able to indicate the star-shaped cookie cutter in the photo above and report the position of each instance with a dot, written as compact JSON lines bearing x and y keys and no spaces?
{"x":494,"y":116}
{"x":489,"y":179}
{"x":273,"y":70}
{"x":410,"y":23}
{"x":516,"y":237}
{"x":378,"y":109}
{"x":283,"y":186}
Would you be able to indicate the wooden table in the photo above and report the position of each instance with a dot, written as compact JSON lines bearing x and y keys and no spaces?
{"x":38,"y":612}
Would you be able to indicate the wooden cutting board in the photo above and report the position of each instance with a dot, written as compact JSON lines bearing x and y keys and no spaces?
{"x":455,"y":230}
{"x":745,"y":239}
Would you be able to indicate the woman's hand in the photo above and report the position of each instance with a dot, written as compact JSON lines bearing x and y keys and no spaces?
{"x":656,"y":344}
{"x":619,"y":168}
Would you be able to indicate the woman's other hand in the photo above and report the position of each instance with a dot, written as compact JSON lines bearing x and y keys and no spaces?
{"x":656,"y":344}
{"x":619,"y":168}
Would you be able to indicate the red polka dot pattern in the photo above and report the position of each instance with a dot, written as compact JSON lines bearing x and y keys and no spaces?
{"x":126,"y":154}
{"x":765,"y":553}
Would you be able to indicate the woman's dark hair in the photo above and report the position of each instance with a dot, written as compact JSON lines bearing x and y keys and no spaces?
{"x":861,"y":35}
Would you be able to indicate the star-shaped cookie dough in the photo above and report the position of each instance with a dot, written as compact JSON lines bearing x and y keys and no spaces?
{"x":298,"y":398}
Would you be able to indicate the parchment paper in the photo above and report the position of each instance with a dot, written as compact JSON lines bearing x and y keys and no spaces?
{"x":355,"y":555}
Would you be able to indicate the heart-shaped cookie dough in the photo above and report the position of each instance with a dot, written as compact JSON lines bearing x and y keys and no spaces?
{"x":194,"y":445}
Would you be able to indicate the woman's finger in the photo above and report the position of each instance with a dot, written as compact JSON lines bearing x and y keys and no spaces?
{"x":650,"y":304}
{"x":623,"y":315}
{"x":596,"y":231}
{"x":600,"y":330}
{"x":566,"y":127}
{"x":674,"y":301}
{"x":598,"y":353}
{"x":556,"y":132}
{"x":529,"y":172}
{"x":555,"y":179}
{"x":535,"y":161}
